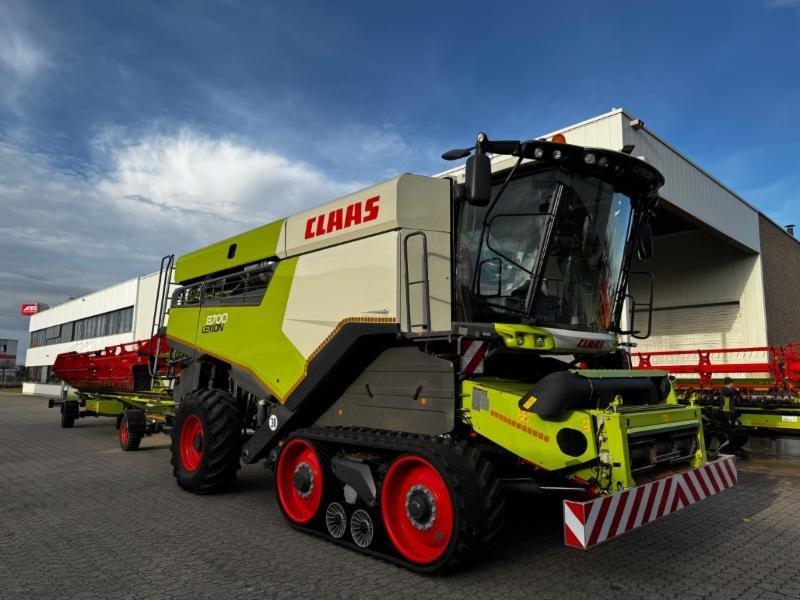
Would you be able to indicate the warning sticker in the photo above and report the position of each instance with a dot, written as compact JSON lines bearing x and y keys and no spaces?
{"x":789,"y":418}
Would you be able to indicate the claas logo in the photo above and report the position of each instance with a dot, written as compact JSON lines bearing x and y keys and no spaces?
{"x":590,"y":344}
{"x":343,"y":218}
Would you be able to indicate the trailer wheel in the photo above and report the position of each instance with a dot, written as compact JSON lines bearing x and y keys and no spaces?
{"x":206,"y":442}
{"x":300,"y":481}
{"x":69,"y":410}
{"x":128,"y":440}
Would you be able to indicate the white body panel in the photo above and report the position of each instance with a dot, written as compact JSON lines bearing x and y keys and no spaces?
{"x":408,"y":201}
{"x":365,"y":279}
{"x":353,"y":280}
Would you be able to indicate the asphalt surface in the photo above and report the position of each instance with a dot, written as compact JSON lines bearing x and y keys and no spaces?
{"x":80,"y":518}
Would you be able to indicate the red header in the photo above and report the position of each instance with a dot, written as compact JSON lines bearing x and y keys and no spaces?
{"x":26,"y":310}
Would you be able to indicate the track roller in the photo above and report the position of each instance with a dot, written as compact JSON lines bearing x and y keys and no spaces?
{"x":300,"y":481}
{"x":439,"y":503}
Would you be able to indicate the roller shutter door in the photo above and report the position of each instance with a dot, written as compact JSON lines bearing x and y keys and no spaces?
{"x":693,"y":327}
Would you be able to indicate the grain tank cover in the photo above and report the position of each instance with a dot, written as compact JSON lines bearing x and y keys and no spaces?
{"x":405,"y":202}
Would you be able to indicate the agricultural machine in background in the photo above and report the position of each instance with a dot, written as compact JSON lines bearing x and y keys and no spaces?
{"x":131,"y":382}
{"x":400,"y":355}
{"x":765,"y":391}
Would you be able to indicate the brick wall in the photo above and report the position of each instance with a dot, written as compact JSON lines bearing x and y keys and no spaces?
{"x":780,"y":259}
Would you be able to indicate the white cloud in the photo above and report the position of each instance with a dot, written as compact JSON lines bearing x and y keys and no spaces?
{"x":63,"y":233}
{"x":203,"y":178}
{"x":20,"y":55}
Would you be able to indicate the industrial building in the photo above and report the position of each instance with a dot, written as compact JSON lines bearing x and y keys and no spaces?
{"x":118,"y":314}
{"x":726,"y":276}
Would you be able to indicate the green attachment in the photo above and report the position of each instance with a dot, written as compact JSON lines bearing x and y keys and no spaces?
{"x":613,"y":449}
{"x":779,"y":419}
{"x":105,"y":408}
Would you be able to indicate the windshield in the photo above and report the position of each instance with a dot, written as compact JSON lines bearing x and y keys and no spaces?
{"x":565,"y":232}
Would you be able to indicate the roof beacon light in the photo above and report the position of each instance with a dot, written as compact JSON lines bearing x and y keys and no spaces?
{"x":558,"y":139}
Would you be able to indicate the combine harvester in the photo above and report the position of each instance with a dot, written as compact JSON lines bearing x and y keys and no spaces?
{"x":399,"y":355}
{"x":131,"y":382}
{"x":766,"y":383}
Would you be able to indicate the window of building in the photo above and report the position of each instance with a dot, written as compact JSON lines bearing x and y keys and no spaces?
{"x":110,"y":323}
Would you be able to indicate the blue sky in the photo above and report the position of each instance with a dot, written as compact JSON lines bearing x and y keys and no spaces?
{"x":132,"y":129}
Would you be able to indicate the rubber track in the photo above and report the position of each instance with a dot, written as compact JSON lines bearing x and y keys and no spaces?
{"x":473,"y":486}
{"x":222,"y":441}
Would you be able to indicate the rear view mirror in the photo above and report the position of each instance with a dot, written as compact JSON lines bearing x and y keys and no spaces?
{"x":478,"y":179}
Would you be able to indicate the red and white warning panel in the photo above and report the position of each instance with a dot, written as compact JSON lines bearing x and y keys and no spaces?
{"x":589,"y":523}
{"x":472,"y":354}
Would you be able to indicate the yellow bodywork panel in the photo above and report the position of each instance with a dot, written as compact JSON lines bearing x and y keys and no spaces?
{"x":249,"y":337}
{"x":495,"y":414}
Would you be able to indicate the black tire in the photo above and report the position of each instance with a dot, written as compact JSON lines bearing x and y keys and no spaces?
{"x":206,"y":442}
{"x":67,"y":418}
{"x":128,"y":440}
{"x":478,"y":501}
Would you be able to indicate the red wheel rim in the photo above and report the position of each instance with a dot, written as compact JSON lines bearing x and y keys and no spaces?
{"x":123,"y":431}
{"x":299,"y":482}
{"x":191,"y":443}
{"x":417,"y":509}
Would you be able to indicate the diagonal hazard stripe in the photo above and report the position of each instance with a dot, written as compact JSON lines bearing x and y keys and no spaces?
{"x":645,"y":504}
{"x":694,"y":487}
{"x":622,"y":512}
{"x":680,"y":500}
{"x":636,"y":509}
{"x":712,"y":469}
{"x":666,"y":499}
{"x":574,"y":533}
{"x":476,"y":360}
{"x":594,"y":532}
{"x":730,"y":468}
{"x":652,"y":503}
{"x":723,"y":475}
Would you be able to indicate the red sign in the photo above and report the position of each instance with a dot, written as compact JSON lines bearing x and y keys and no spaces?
{"x":26,"y":310}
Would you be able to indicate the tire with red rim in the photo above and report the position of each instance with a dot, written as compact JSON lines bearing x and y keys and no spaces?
{"x":417,"y":510}
{"x":128,"y":440}
{"x":442,"y":506}
{"x":300,"y":481}
{"x":206,"y":441}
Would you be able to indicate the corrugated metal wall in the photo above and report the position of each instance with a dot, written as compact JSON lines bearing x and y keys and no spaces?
{"x":695,"y":192}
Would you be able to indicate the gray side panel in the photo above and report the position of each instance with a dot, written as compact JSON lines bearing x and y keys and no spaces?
{"x":402,"y":390}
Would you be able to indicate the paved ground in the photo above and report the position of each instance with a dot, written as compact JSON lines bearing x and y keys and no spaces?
{"x":81,"y":519}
